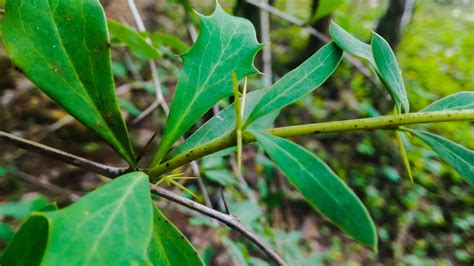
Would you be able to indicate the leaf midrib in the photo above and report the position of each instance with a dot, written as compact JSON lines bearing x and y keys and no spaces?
{"x":186,"y":111}
{"x":118,"y":209}
{"x":313,"y":177}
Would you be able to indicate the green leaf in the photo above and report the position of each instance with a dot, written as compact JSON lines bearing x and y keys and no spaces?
{"x":88,"y":232}
{"x":224,"y":122}
{"x":225,"y":44}
{"x":459,"y":101}
{"x":389,"y":72}
{"x":22,"y":209}
{"x":458,"y":157}
{"x":62,"y":46}
{"x":28,"y":244}
{"x":169,"y":246}
{"x":302,"y":80}
{"x":380,"y":56}
{"x":323,"y":189}
{"x":170,"y":40}
{"x":109,"y":226}
{"x":350,"y":44}
{"x":133,"y":39}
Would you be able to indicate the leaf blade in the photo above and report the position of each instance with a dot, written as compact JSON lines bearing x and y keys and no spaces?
{"x":225,"y":43}
{"x":63,"y":48}
{"x":326,"y":192}
{"x":133,"y":39}
{"x":458,"y":157}
{"x":350,"y":44}
{"x":118,"y":212}
{"x":463,"y":100}
{"x":168,"y":245}
{"x":302,"y":80}
{"x":389,"y":72}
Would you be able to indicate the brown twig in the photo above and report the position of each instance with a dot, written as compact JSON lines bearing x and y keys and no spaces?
{"x":113,"y":172}
{"x":229,"y":220}
{"x":105,"y":170}
{"x":47,"y":185}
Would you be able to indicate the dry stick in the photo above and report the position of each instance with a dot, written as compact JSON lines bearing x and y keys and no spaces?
{"x":277,"y":12}
{"x":47,"y":185}
{"x":113,"y":172}
{"x":160,"y":100}
{"x":62,"y":156}
{"x":266,"y":53}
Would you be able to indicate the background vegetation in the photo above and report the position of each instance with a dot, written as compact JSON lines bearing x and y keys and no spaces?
{"x":429,"y":222}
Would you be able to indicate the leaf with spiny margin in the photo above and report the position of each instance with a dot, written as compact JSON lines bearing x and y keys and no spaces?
{"x":389,"y":72}
{"x":300,"y":81}
{"x":87,"y":232}
{"x":321,"y":187}
{"x":385,"y":66}
{"x":133,"y":39}
{"x":63,"y":47}
{"x":350,"y":44}
{"x":458,"y":157}
{"x":463,"y":100}
{"x":223,"y":123}
{"x":168,"y":245}
{"x":225,"y":44}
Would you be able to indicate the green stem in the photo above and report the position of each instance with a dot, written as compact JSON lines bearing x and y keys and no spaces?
{"x":382,"y":122}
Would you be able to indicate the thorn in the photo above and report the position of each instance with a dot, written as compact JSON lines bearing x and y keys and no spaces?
{"x":225,"y":202}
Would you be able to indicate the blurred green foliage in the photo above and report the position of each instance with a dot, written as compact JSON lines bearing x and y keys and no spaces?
{"x":426,"y":223}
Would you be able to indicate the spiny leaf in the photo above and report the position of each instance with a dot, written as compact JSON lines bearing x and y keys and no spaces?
{"x":458,"y":157}
{"x":133,"y":39}
{"x":222,"y":124}
{"x":321,"y":187}
{"x":62,"y":46}
{"x":168,"y":245}
{"x":459,"y":101}
{"x":302,"y":80}
{"x":389,"y":72}
{"x":225,"y":44}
